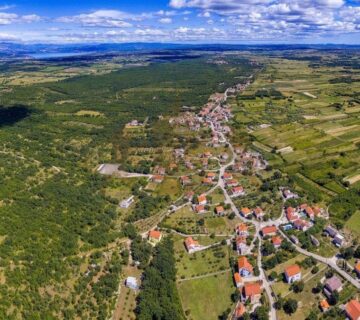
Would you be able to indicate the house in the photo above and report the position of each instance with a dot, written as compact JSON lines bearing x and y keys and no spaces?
{"x":237,"y":191}
{"x":238,"y":280}
{"x":291,"y":214}
{"x":131,"y":282}
{"x":192,"y":245}
{"x":211,"y":175}
{"x":245,"y":212}
{"x":287,"y":194}
{"x":207,"y":181}
{"x":200,"y":208}
{"x":189,"y":195}
{"x":154,"y":237}
{"x":157,"y":178}
{"x":338,"y":240}
{"x":352,"y":310}
{"x":314,"y":241}
{"x":258,"y":213}
{"x":185,"y":180}
{"x":231,"y":183}
{"x":189,"y":165}
{"x":269,"y":231}
{"x":127,"y":202}
{"x":239,"y":311}
{"x":172,"y":166}
{"x":294,"y":239}
{"x":220,"y":210}
{"x":276,"y":241}
{"x":244,"y":267}
{"x":242,"y":230}
{"x":332,"y":285}
{"x":302,"y":225}
{"x":292,"y":273}
{"x":252,"y":291}
{"x":159,"y":170}
{"x":202,"y":199}
{"x":331,"y":231}
{"x":310,"y":212}
{"x":324,"y":305}
{"x":357,"y":269}
{"x":241,"y":246}
{"x":227,"y":176}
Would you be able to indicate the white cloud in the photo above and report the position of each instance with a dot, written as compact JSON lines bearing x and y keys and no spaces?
{"x":165,"y":20}
{"x":101,"y":18}
{"x":10,"y":18}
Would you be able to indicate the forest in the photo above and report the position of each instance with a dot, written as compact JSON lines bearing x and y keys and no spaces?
{"x":53,"y":211}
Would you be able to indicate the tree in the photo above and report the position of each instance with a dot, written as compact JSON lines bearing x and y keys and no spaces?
{"x":312,"y":315}
{"x":129,"y":230}
{"x":279,"y":303}
{"x":290,"y":306}
{"x":315,"y":270}
{"x":318,"y":288}
{"x":261,"y":313}
{"x":334,"y":298}
{"x":357,"y":252}
{"x":298,"y":286}
{"x":273,"y":275}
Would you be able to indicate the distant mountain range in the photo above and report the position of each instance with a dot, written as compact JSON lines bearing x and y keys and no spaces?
{"x":13,"y":50}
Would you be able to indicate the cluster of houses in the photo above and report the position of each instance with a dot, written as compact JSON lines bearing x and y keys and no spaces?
{"x":271,"y":231}
{"x":248,"y":160}
{"x":337,"y":238}
{"x":248,"y":213}
{"x":189,"y":119}
{"x":296,"y":217}
{"x":250,"y":291}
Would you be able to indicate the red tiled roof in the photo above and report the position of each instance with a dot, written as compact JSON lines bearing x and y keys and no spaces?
{"x":292,"y":270}
{"x":353,"y":309}
{"x":207,"y":181}
{"x":190,"y":242}
{"x":252,"y":289}
{"x":199,"y":208}
{"x":276,"y":240}
{"x":324,"y":304}
{"x":357,"y":267}
{"x":240,"y":239}
{"x":245,"y":211}
{"x":243,"y":263}
{"x":237,"y":277}
{"x":202,"y":198}
{"x":268,"y":230}
{"x":242,"y":227}
{"x":219,"y":209}
{"x":154,"y":234}
{"x":237,"y":189}
{"x":240,"y":310}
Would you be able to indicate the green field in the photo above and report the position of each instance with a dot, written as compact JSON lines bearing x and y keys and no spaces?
{"x":196,"y":294}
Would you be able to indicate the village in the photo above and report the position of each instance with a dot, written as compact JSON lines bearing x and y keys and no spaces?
{"x":256,"y":238}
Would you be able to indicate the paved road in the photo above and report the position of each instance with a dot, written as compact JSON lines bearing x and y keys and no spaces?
{"x":257,"y":224}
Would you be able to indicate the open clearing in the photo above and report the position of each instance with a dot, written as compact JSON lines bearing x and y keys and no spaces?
{"x":207,"y":298}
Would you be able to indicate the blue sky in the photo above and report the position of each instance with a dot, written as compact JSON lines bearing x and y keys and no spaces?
{"x":181,"y":21}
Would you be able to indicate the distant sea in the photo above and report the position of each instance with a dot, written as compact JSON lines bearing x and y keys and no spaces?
{"x":50,"y":55}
